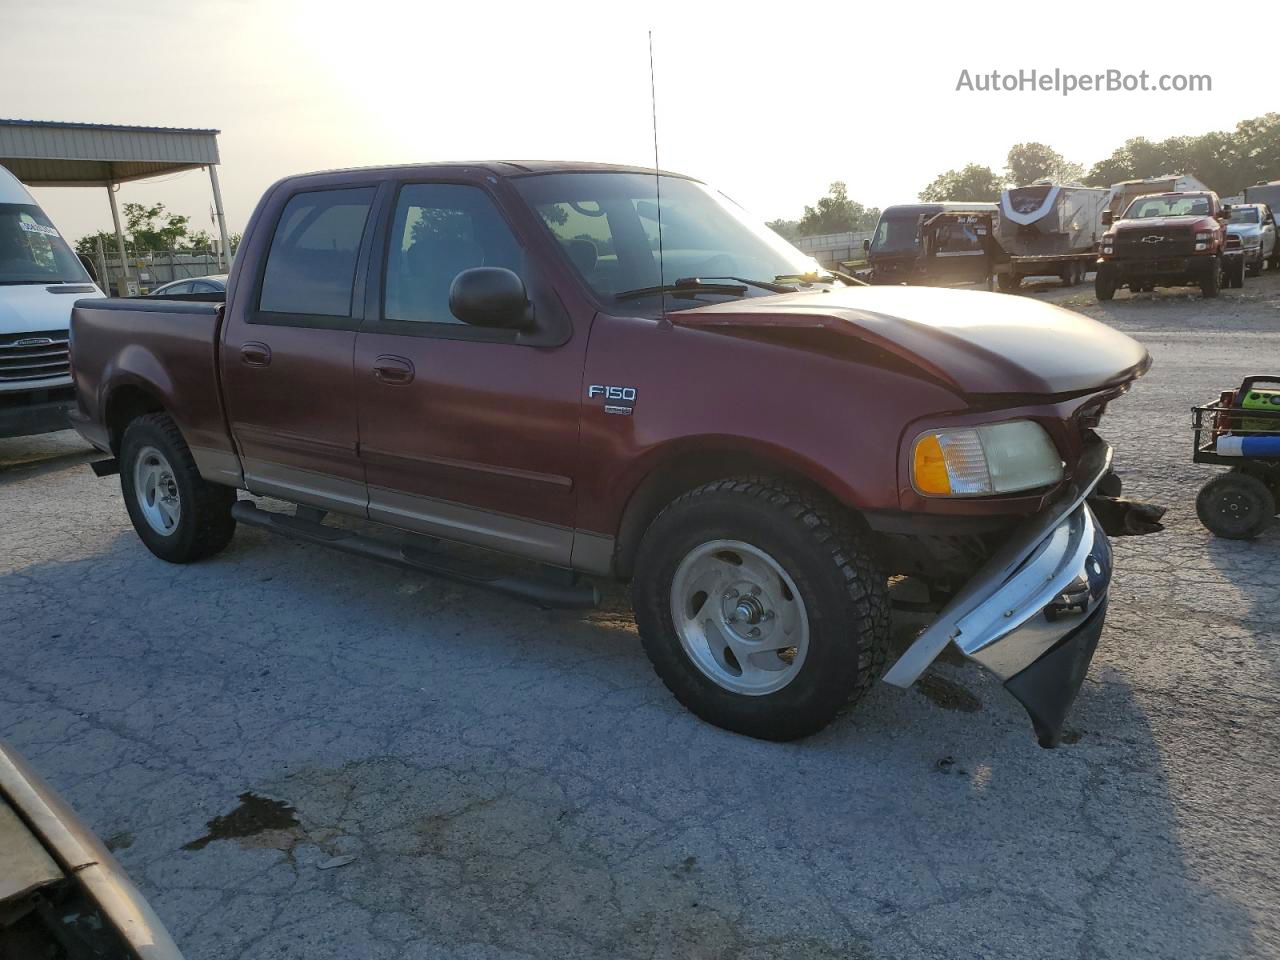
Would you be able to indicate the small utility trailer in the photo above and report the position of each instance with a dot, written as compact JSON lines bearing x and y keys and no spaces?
{"x":1240,"y":430}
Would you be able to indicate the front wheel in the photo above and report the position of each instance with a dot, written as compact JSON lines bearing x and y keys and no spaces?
{"x":1104,"y":286}
{"x":180,"y":516}
{"x":760,"y":607}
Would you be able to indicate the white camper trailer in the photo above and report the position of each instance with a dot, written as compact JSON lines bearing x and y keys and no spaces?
{"x":1049,"y":229}
{"x":1122,"y":193}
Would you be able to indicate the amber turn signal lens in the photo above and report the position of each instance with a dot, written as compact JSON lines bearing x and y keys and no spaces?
{"x":930,"y":468}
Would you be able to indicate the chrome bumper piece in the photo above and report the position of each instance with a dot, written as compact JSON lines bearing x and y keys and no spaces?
{"x":1046,"y":583}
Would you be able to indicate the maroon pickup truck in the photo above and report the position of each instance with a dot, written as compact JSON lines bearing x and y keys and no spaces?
{"x":544,"y":360}
{"x":1169,"y":240}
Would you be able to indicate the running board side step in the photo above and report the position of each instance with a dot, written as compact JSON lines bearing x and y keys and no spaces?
{"x":545,"y":593}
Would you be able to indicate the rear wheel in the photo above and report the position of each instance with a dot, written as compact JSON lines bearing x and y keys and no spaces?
{"x":1210,"y":279}
{"x":1236,"y":506}
{"x":760,"y":607}
{"x":1235,"y":273}
{"x":1009,"y":282}
{"x":179,"y":516}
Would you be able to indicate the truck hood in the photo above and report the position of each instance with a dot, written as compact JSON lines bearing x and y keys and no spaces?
{"x":35,"y":307}
{"x":974,"y":342}
{"x":1148,"y":224}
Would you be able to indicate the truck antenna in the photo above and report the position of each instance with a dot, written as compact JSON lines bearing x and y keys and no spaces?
{"x":657,"y":178}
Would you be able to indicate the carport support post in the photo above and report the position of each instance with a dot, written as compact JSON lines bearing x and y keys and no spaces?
{"x":224,"y":253}
{"x":124,"y":261}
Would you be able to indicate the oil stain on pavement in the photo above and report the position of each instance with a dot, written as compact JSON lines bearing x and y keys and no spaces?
{"x":254,"y":815}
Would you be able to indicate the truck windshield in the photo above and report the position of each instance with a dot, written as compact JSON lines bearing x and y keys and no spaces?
{"x":897,"y":233}
{"x":32,"y":250}
{"x":1177,"y":205}
{"x":607,"y":224}
{"x":1244,"y":215}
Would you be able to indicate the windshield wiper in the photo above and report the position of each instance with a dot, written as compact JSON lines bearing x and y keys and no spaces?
{"x":20,"y":283}
{"x":773,"y":286}
{"x":686,"y":287}
{"x":828,"y":277}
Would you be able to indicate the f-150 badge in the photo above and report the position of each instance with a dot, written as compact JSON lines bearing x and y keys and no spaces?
{"x":618,"y":400}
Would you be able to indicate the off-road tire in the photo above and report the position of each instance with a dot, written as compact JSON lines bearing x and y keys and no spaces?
{"x":1104,"y":287}
{"x":1236,"y":506}
{"x":1210,"y":280}
{"x":205,"y":525}
{"x":842,"y":586}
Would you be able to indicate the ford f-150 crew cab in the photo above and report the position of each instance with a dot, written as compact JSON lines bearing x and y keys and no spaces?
{"x":544,"y":360}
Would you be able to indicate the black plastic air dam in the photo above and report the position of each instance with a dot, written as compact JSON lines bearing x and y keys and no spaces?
{"x":1049,"y":686}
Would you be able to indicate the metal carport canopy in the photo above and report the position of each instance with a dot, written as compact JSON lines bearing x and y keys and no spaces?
{"x":47,"y":153}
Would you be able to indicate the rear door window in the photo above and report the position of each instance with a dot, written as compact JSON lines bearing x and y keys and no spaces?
{"x":311,"y":266}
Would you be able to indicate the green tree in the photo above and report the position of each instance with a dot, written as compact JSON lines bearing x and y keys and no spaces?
{"x":152,"y":228}
{"x":88,"y":244}
{"x":836,"y":213}
{"x":1029,"y":162}
{"x":787,"y":229}
{"x":198,"y":241}
{"x":972,"y":183}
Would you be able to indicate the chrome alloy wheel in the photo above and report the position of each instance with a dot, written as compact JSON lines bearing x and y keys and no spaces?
{"x":157,"y":491}
{"x":740,"y":617}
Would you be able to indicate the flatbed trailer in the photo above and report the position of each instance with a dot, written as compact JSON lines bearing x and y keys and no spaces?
{"x":988,"y":264}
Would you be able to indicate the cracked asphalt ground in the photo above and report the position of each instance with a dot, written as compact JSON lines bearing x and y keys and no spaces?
{"x":515,"y":783}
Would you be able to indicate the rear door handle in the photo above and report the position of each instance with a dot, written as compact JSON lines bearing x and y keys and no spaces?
{"x":393,"y":370}
{"x":255,"y":354}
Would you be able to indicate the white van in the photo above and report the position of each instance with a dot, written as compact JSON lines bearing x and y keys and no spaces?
{"x":40,"y":279}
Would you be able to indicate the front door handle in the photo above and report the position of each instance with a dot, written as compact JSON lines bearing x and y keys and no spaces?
{"x":255,"y":354}
{"x":393,"y":370}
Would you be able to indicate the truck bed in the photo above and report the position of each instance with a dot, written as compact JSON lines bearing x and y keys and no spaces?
{"x":159,"y":352}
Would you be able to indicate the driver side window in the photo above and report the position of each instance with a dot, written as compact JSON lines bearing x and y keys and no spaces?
{"x":439,"y":230}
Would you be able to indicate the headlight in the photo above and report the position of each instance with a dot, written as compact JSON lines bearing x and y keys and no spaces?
{"x":984,"y":460}
{"x":1107,"y":249}
{"x":1204,"y":236}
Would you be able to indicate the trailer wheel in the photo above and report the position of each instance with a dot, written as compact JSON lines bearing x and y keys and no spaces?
{"x":179,"y":515}
{"x":1235,"y":506}
{"x":761,"y":607}
{"x":1104,"y":286}
{"x":1009,"y":282}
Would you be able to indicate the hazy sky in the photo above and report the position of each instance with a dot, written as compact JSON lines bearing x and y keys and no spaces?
{"x":769,"y":102}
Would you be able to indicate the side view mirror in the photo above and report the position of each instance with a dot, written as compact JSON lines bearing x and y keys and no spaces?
{"x":491,"y":297}
{"x":1226,"y":210}
{"x":866,"y":244}
{"x":1108,"y":218}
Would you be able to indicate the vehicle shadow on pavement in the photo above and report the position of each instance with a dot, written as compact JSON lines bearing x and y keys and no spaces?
{"x":518,"y":778}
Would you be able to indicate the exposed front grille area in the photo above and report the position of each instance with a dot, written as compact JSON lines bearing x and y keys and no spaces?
{"x":33,"y":356}
{"x":1145,"y":246}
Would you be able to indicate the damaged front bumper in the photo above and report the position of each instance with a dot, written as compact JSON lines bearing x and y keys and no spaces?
{"x":1033,"y":613}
